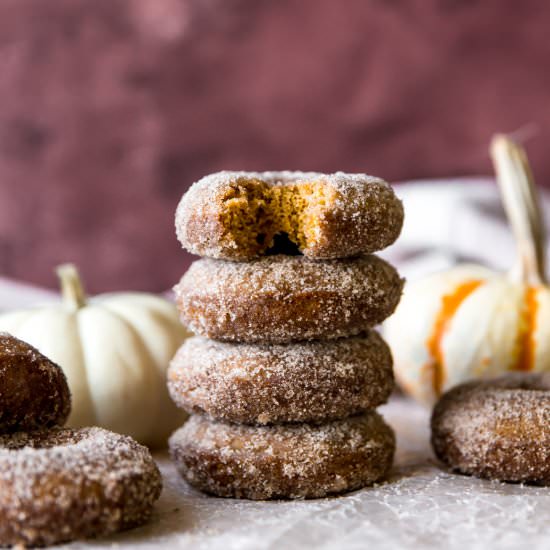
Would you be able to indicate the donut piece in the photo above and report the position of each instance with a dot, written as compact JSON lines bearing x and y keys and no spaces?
{"x":243,"y":215}
{"x":283,"y":461}
{"x":281,"y":299}
{"x":66,"y":484}
{"x":33,"y":390}
{"x":275,"y":383}
{"x":496,"y":429}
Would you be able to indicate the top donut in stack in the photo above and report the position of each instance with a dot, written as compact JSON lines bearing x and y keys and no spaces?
{"x":240,"y":215}
{"x":281,"y":224}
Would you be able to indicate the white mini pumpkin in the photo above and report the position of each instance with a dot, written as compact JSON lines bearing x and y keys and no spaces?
{"x":114,"y":350}
{"x":470,"y":321}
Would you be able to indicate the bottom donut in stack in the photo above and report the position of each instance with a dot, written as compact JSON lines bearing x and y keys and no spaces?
{"x":60,"y":484}
{"x":282,"y":420}
{"x":286,"y":460}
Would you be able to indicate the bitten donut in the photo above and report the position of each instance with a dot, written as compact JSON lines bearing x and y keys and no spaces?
{"x":275,"y":383}
{"x":33,"y":391}
{"x":496,"y":429}
{"x":243,"y":215}
{"x":280,"y":299}
{"x":283,"y":461}
{"x":66,"y":484}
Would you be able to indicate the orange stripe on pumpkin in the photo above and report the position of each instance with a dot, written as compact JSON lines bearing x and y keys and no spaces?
{"x":526,"y":333}
{"x":449,"y":306}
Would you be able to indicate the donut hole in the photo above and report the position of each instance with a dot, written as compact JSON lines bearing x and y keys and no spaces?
{"x":277,"y":218}
{"x":283,"y":245}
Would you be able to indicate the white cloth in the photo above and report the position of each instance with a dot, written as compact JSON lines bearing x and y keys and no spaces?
{"x":453,"y":221}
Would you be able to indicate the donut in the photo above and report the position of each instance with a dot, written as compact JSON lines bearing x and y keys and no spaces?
{"x":243,"y":215}
{"x":275,"y":383}
{"x":280,"y":299}
{"x":64,"y":484}
{"x":33,"y":390}
{"x":286,"y":461}
{"x":496,"y":429}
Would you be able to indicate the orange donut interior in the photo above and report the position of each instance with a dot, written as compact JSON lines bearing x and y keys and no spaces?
{"x":255,"y":213}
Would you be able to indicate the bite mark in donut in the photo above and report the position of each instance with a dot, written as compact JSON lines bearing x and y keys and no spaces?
{"x":254,"y":213}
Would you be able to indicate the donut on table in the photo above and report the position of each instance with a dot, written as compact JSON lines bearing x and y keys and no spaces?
{"x":65,"y":484}
{"x":280,"y":299}
{"x":283,"y":461}
{"x":33,"y":390}
{"x":241,"y":215}
{"x":496,"y":429}
{"x":275,"y":383}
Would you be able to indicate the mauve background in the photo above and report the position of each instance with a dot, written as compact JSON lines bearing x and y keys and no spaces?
{"x":109,"y":109}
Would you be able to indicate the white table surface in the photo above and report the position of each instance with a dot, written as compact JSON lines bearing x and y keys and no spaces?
{"x":421,"y":506}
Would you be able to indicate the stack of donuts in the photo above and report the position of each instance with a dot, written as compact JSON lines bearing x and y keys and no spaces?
{"x":59,"y":484}
{"x":285,"y":371}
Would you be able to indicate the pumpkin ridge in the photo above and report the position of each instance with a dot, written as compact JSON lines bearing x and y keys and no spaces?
{"x":526,"y":331}
{"x":450,"y":303}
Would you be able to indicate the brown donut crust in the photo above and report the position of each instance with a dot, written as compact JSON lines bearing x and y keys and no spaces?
{"x":283,"y":461}
{"x":66,"y":484}
{"x":276,"y":383}
{"x":496,"y":429}
{"x":33,"y":390}
{"x":360,"y":215}
{"x":281,"y":299}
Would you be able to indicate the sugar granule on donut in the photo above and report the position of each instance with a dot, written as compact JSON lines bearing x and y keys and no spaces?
{"x":283,"y":461}
{"x":239,"y":215}
{"x":280,"y":299}
{"x":496,"y":429}
{"x":65,"y":484}
{"x":312,"y":381}
{"x":33,"y":390}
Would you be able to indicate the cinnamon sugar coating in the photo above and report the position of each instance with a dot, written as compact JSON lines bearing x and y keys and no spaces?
{"x":66,"y":484}
{"x":283,"y":461}
{"x":496,"y":429}
{"x":238,"y":215}
{"x":280,"y":299}
{"x":33,"y":390}
{"x":276,"y":383}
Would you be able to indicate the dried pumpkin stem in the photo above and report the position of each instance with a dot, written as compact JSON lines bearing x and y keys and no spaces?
{"x":72,"y":290}
{"x":521,"y":202}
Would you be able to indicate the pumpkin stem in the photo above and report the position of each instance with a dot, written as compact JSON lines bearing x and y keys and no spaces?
{"x":522,"y":206}
{"x":72,"y":290}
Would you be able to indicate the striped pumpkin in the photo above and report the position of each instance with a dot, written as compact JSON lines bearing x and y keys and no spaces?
{"x":465,"y":323}
{"x":471,"y":322}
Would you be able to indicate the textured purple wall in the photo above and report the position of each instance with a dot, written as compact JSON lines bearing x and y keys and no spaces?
{"x":110,"y":108}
